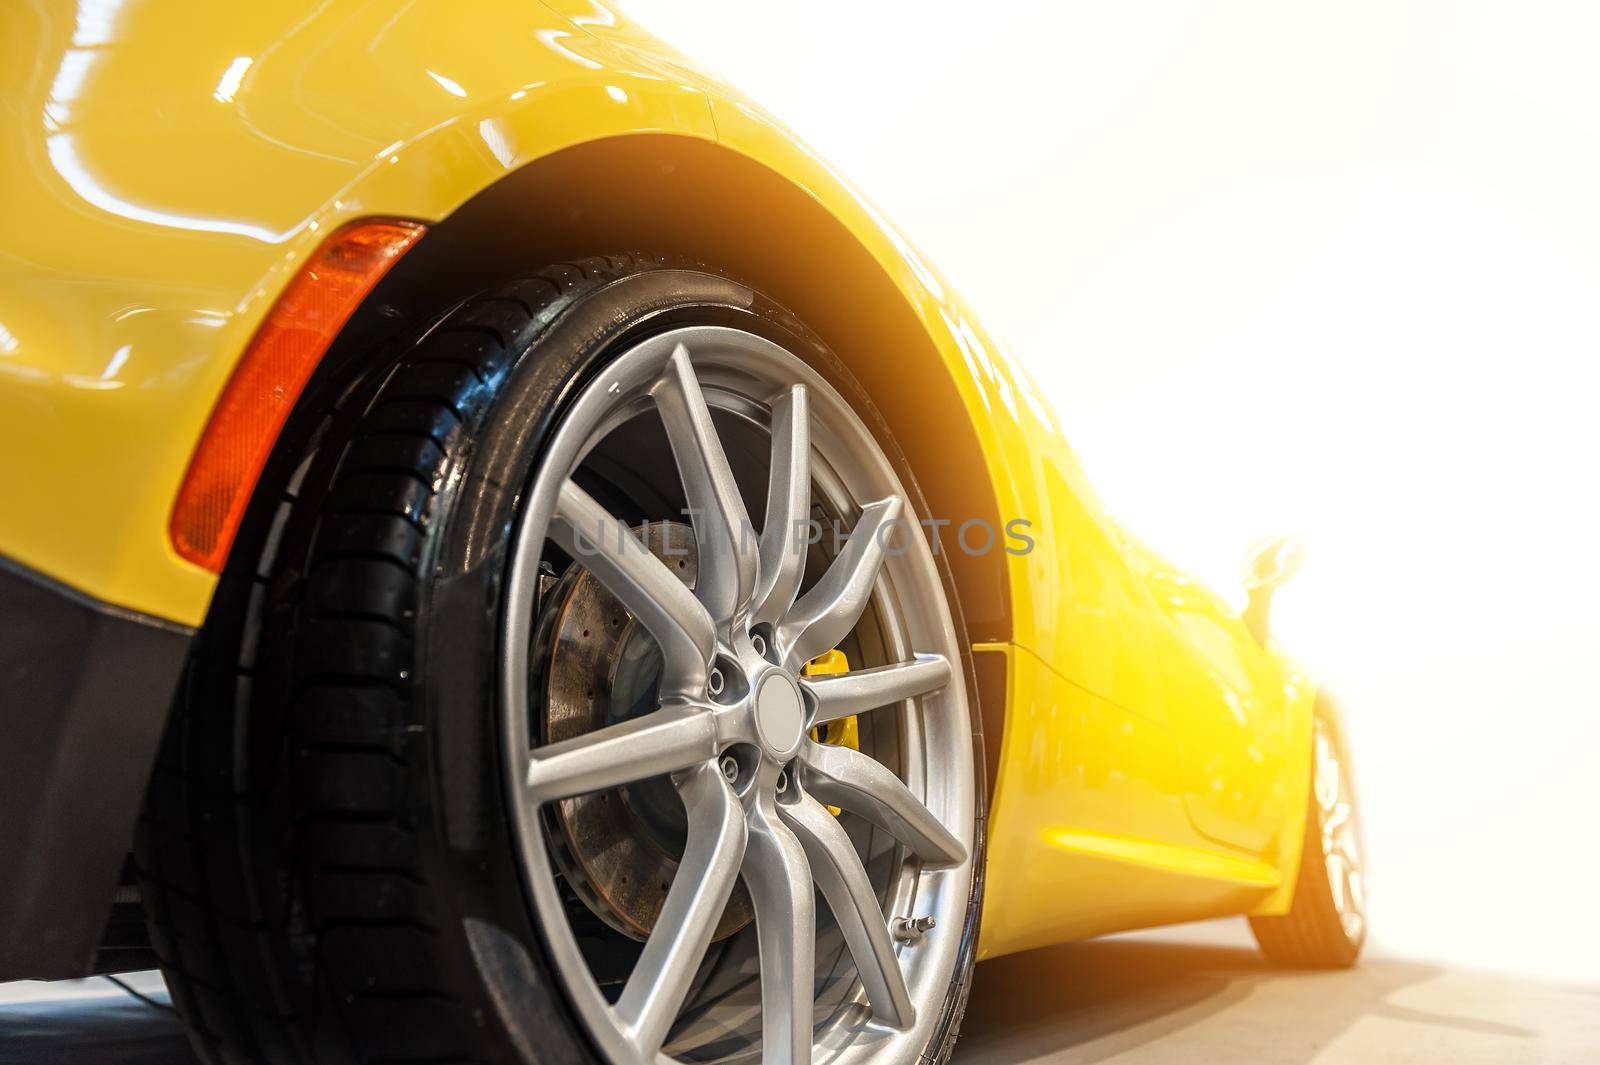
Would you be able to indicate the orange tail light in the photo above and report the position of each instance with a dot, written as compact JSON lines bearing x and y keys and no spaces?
{"x":269,"y":379}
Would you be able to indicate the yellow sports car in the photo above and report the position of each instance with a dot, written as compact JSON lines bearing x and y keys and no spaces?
{"x":509,"y":557}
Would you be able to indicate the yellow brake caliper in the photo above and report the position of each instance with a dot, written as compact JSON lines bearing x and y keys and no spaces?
{"x":841,"y":733}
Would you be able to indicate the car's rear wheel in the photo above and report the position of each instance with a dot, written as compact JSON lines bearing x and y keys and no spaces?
{"x":1327,"y":922}
{"x":499,"y":744}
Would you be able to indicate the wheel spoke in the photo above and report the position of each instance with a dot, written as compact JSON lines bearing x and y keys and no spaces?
{"x":721,"y":526}
{"x":655,"y":991}
{"x":779,"y":879}
{"x":1327,"y":779}
{"x":1339,"y":840}
{"x":844,"y":694}
{"x":849,"y":779}
{"x":1354,"y":891}
{"x":670,"y":739}
{"x":1338,"y":882}
{"x":1337,"y":829}
{"x":837,"y":870}
{"x":649,"y":590}
{"x":782,"y":554}
{"x":827,"y":613}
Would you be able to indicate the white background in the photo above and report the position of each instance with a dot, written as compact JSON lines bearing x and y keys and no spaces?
{"x":1324,"y":268}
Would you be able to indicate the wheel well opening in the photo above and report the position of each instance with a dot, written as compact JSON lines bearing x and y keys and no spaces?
{"x":685,"y":197}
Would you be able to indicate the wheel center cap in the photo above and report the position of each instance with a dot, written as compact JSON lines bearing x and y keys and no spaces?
{"x":780,"y":712}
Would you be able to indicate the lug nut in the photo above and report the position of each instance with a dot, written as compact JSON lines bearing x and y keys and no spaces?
{"x":715,"y":683}
{"x":783,"y":781}
{"x":911,"y":929}
{"x":730,"y":768}
{"x":759,"y":644}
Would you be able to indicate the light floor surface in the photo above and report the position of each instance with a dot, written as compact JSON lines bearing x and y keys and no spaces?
{"x":1186,"y":996}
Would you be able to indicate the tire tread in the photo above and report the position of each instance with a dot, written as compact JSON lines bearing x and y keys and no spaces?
{"x":370,"y":924}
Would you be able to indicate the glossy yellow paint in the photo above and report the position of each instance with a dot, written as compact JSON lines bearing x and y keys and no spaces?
{"x":172,"y":165}
{"x":1090,"y":829}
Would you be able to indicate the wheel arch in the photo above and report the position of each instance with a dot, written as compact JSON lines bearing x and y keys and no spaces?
{"x":686,"y":197}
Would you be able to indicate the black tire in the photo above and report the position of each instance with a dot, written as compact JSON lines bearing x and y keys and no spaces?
{"x":325,"y":855}
{"x":1312,"y":934}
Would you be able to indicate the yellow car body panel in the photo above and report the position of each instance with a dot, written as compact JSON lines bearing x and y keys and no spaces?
{"x":160,"y":197}
{"x":173,"y":165}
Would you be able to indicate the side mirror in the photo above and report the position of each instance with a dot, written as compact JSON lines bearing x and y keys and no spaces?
{"x":1267,"y":568}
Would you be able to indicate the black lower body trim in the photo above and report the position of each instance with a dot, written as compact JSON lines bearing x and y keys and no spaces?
{"x":84,"y":695}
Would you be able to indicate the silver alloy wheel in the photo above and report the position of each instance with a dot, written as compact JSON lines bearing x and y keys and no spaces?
{"x":1340,"y":837}
{"x":768,"y":825}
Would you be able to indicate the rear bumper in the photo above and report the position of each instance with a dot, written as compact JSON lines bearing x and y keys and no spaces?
{"x":84,"y":694}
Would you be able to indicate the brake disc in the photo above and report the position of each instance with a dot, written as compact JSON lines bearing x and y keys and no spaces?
{"x":618,"y":849}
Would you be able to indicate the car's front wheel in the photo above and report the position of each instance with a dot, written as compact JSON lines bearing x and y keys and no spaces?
{"x":1327,"y":922}
{"x":518,"y":730}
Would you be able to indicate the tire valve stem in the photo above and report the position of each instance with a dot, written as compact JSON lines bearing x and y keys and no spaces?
{"x":911,"y":929}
